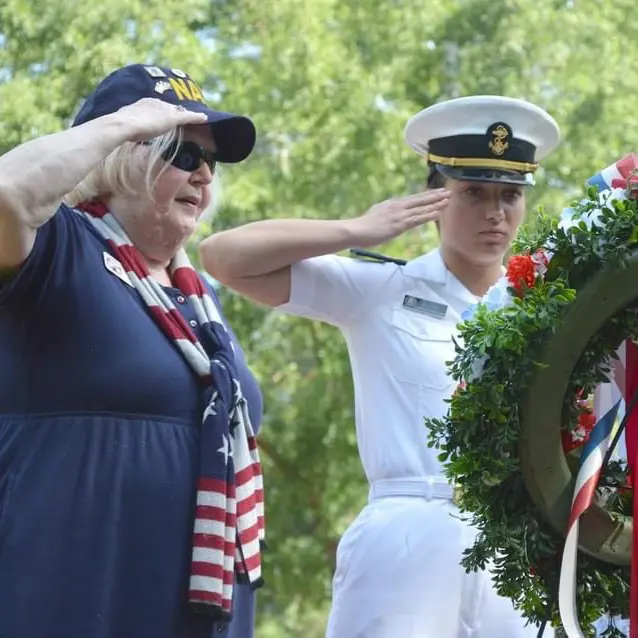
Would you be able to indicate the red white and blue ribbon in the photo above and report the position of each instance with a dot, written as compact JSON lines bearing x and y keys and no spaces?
{"x":610,"y":400}
{"x":624,"y":175}
{"x":591,"y":464}
{"x":618,"y":175}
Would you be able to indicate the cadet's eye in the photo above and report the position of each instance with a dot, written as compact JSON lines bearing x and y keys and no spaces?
{"x":513,"y":195}
{"x":473,"y":191}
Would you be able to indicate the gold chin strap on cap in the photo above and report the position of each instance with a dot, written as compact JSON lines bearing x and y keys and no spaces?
{"x":481,"y":162}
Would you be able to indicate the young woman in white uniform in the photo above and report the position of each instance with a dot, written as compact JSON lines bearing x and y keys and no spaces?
{"x":398,"y":572}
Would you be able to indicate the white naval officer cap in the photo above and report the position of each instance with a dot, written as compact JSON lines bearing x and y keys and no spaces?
{"x":486,"y":138}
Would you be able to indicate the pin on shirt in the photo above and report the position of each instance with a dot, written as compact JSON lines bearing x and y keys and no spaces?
{"x":116,"y":268}
{"x":425,"y":307}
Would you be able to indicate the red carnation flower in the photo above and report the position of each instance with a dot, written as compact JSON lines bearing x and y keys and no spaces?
{"x":521,"y":271}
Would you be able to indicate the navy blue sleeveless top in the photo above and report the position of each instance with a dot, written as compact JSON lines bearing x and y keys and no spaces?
{"x":99,"y":428}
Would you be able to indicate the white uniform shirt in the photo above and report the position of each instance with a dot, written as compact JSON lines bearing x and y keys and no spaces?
{"x":398,"y":322}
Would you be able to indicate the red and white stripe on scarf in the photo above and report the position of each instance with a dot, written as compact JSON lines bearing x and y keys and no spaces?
{"x":229,"y":519}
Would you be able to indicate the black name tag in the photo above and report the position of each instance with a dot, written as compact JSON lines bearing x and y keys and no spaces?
{"x":425,"y":307}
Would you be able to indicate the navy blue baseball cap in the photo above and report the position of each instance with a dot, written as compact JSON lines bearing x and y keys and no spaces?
{"x":234,"y":135}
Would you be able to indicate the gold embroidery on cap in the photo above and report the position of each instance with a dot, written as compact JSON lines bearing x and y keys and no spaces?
{"x":499,"y":145}
{"x":186,"y":89}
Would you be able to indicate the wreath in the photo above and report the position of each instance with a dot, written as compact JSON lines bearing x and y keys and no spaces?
{"x":499,"y":350}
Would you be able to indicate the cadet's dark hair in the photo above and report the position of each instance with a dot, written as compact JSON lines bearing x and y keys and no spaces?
{"x":435,"y":178}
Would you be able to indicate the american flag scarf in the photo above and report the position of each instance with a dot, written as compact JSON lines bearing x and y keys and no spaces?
{"x":229,"y":516}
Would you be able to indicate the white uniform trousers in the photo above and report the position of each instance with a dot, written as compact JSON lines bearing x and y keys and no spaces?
{"x":398,"y":573}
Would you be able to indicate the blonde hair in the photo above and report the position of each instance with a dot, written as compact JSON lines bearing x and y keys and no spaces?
{"x":119,"y":171}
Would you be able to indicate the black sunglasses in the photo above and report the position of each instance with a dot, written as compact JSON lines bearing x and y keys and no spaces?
{"x":188,"y":156}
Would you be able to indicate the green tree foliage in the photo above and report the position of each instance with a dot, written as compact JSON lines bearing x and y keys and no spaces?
{"x":330,"y":85}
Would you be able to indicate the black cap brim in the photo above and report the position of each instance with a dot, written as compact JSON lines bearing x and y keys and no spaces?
{"x":235,"y":138}
{"x":496,"y":176}
{"x":234,"y":135}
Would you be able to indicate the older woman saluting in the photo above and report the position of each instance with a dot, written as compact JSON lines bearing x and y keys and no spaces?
{"x":131,"y":502}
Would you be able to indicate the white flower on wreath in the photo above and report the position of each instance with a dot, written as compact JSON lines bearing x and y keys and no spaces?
{"x":476,"y":371}
{"x":578,"y":434}
{"x":591,"y":218}
{"x":541,"y":259}
{"x":498,"y":296}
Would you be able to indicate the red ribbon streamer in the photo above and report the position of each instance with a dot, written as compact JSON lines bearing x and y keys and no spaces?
{"x":631,"y":440}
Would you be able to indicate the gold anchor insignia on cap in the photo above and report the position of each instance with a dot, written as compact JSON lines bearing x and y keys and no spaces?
{"x":498,"y":144}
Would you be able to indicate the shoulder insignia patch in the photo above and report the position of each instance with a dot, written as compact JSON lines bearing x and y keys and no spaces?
{"x":366,"y":255}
